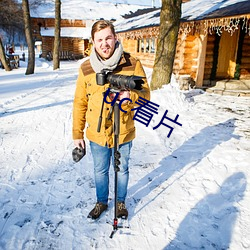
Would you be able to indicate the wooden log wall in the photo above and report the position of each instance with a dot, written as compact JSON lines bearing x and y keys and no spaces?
{"x":66,"y":44}
{"x":185,"y":59}
{"x":209,"y":57}
{"x":73,"y":45}
{"x":50,"y":22}
{"x":131,"y":46}
{"x":79,"y":46}
{"x":210,"y":65}
{"x":146,"y":59}
{"x":186,"y":55}
{"x":190,"y":56}
{"x":47,"y":45}
{"x":245,"y":60}
{"x":178,"y":61}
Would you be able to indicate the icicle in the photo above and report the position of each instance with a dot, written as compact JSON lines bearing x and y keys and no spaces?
{"x":217,"y":25}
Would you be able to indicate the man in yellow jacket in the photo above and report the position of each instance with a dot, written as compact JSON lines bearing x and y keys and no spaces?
{"x":107,"y":54}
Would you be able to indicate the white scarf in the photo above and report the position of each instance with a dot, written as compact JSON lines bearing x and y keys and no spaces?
{"x":98,"y":64}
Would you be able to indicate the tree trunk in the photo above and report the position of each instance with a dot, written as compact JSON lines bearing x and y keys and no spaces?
{"x":28,"y":33}
{"x":168,"y":34}
{"x":3,"y":57}
{"x":56,"y":59}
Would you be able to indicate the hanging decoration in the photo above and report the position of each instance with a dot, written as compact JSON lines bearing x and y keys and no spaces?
{"x":246,"y":25}
{"x":148,"y":32}
{"x":218,"y":25}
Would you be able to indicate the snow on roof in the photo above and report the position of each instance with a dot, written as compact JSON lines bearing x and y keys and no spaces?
{"x":145,"y":20}
{"x":80,"y":32}
{"x":192,"y":10}
{"x":197,"y":9}
{"x":85,"y":10}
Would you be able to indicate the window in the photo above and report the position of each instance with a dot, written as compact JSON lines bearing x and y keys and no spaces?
{"x":146,"y":45}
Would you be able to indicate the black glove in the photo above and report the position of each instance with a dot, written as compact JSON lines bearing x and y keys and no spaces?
{"x":78,"y":153}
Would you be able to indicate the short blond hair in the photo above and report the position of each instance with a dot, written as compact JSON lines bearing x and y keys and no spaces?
{"x":100,"y":25}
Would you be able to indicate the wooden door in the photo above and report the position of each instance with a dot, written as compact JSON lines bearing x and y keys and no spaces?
{"x":227,"y":55}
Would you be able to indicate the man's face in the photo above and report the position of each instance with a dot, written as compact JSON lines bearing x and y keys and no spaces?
{"x":104,"y":42}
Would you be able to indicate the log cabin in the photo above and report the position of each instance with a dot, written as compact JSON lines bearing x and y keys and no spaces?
{"x":213,"y":41}
{"x":77,"y":19}
{"x":74,"y":37}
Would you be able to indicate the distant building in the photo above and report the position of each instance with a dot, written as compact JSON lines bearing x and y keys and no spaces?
{"x":74,"y":36}
{"x":77,"y":19}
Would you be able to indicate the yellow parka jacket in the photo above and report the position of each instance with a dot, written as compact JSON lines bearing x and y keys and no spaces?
{"x":88,"y":101}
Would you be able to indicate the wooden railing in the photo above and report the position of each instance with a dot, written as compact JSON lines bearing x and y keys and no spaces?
{"x":64,"y":55}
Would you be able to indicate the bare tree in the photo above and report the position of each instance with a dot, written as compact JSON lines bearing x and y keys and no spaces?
{"x":168,"y":34}
{"x":28,"y":33}
{"x":11,"y":16}
{"x":11,"y":24}
{"x":36,"y":3}
{"x":3,"y":57}
{"x":56,"y":59}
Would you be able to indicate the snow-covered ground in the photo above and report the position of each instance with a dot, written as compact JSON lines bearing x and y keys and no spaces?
{"x":188,"y":191}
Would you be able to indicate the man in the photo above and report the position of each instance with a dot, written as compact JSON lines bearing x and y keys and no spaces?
{"x":107,"y":54}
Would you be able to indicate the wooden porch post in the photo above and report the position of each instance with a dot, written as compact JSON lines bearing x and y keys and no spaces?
{"x":201,"y":60}
{"x":140,"y":42}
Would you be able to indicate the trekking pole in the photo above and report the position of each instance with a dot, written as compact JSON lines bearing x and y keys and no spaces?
{"x":117,"y":156}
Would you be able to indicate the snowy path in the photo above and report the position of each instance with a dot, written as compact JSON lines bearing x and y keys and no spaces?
{"x":189,"y":191}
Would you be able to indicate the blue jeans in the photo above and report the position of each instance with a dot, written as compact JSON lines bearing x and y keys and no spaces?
{"x":102,"y":158}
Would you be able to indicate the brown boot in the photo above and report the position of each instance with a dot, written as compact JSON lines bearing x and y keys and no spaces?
{"x":97,"y":210}
{"x":122,"y":211}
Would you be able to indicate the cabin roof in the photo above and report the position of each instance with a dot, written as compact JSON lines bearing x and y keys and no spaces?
{"x":193,"y":10}
{"x":208,"y":9}
{"x":140,"y":21}
{"x":77,"y":32}
{"x":84,"y":10}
